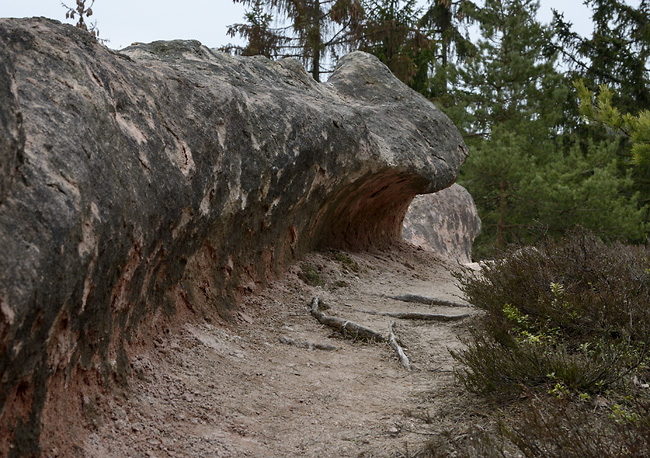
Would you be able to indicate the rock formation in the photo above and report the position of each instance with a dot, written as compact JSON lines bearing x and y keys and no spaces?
{"x":143,"y":187}
{"x":446,"y":222}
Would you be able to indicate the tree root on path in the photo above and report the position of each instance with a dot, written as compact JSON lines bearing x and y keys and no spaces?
{"x":400,"y":351}
{"x":308,"y":345}
{"x":354,"y":330}
{"x":349,"y":329}
{"x":428,"y":300}
{"x":416,"y":315}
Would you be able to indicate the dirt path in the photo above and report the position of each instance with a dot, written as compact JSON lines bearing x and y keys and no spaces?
{"x":214,"y":391}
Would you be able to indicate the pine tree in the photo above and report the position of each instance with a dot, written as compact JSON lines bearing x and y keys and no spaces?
{"x":602,"y":110}
{"x":616,"y":56}
{"x":319,"y":29}
{"x":509,"y":95}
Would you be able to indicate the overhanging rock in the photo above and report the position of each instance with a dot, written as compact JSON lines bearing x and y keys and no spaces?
{"x":169,"y":177}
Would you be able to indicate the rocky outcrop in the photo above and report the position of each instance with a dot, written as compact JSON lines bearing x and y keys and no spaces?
{"x":446,"y":222}
{"x":165,"y":181}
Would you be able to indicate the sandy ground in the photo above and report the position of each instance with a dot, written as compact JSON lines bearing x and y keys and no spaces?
{"x":209,"y":390}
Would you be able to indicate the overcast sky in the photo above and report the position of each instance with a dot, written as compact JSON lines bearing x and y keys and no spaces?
{"x":123,"y":22}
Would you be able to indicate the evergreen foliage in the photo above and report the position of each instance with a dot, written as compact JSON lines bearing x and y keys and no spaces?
{"x":603,"y":111}
{"x":262,"y":39}
{"x":446,"y":21}
{"x":392,"y":34}
{"x":318,"y":30}
{"x":615,"y":55}
{"x":530,"y":175}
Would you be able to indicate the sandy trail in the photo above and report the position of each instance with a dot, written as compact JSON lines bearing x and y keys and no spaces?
{"x":210,"y":390}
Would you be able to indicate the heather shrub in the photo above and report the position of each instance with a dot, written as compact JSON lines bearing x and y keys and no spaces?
{"x":572,"y":315}
{"x":563,"y":343}
{"x":558,"y":427}
{"x":552,"y":426}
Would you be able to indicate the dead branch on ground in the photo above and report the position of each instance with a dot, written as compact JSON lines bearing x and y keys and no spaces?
{"x":308,"y":345}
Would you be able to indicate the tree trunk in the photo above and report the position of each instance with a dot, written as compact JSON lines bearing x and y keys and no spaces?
{"x":316,"y":41}
{"x":503,"y":206}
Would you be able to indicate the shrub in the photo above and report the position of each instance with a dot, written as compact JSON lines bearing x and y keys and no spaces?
{"x":574,"y":313}
{"x":346,"y":261}
{"x":558,"y":427}
{"x":549,"y":426}
{"x":567,"y":327}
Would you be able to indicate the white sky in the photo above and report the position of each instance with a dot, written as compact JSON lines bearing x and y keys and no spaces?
{"x":123,"y":22}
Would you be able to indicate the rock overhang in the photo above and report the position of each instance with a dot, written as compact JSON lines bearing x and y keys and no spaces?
{"x":168,"y":176}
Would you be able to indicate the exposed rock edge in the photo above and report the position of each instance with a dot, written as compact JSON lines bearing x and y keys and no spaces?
{"x":445,"y":222}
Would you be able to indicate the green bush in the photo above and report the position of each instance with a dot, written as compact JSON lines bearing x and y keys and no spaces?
{"x":574,"y":313}
{"x":564,"y":336}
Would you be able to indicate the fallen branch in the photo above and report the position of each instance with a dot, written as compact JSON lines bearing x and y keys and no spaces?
{"x":416,"y":315}
{"x":308,"y":345}
{"x":349,"y":329}
{"x":427,"y":300}
{"x":400,"y":351}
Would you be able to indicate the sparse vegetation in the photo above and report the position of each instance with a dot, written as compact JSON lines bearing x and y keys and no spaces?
{"x":82,"y":11}
{"x":341,"y":284}
{"x":346,"y":261}
{"x":310,"y":275}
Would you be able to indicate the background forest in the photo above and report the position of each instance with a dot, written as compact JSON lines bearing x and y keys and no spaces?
{"x":545,"y":156}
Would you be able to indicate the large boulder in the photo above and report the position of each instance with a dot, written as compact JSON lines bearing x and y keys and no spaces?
{"x":166,"y":180}
{"x":446,"y":222}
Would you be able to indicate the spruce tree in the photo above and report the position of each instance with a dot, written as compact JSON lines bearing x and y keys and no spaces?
{"x":616,"y":55}
{"x":391,"y":32}
{"x":444,"y":21}
{"x":262,"y":39}
{"x":509,"y":95}
{"x":318,"y":30}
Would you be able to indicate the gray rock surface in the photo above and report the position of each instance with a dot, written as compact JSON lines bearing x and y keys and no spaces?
{"x":446,"y":222}
{"x":160,"y":183}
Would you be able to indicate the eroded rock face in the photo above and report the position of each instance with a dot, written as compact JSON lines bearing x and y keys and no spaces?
{"x":167,"y":180}
{"x":446,"y":222}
